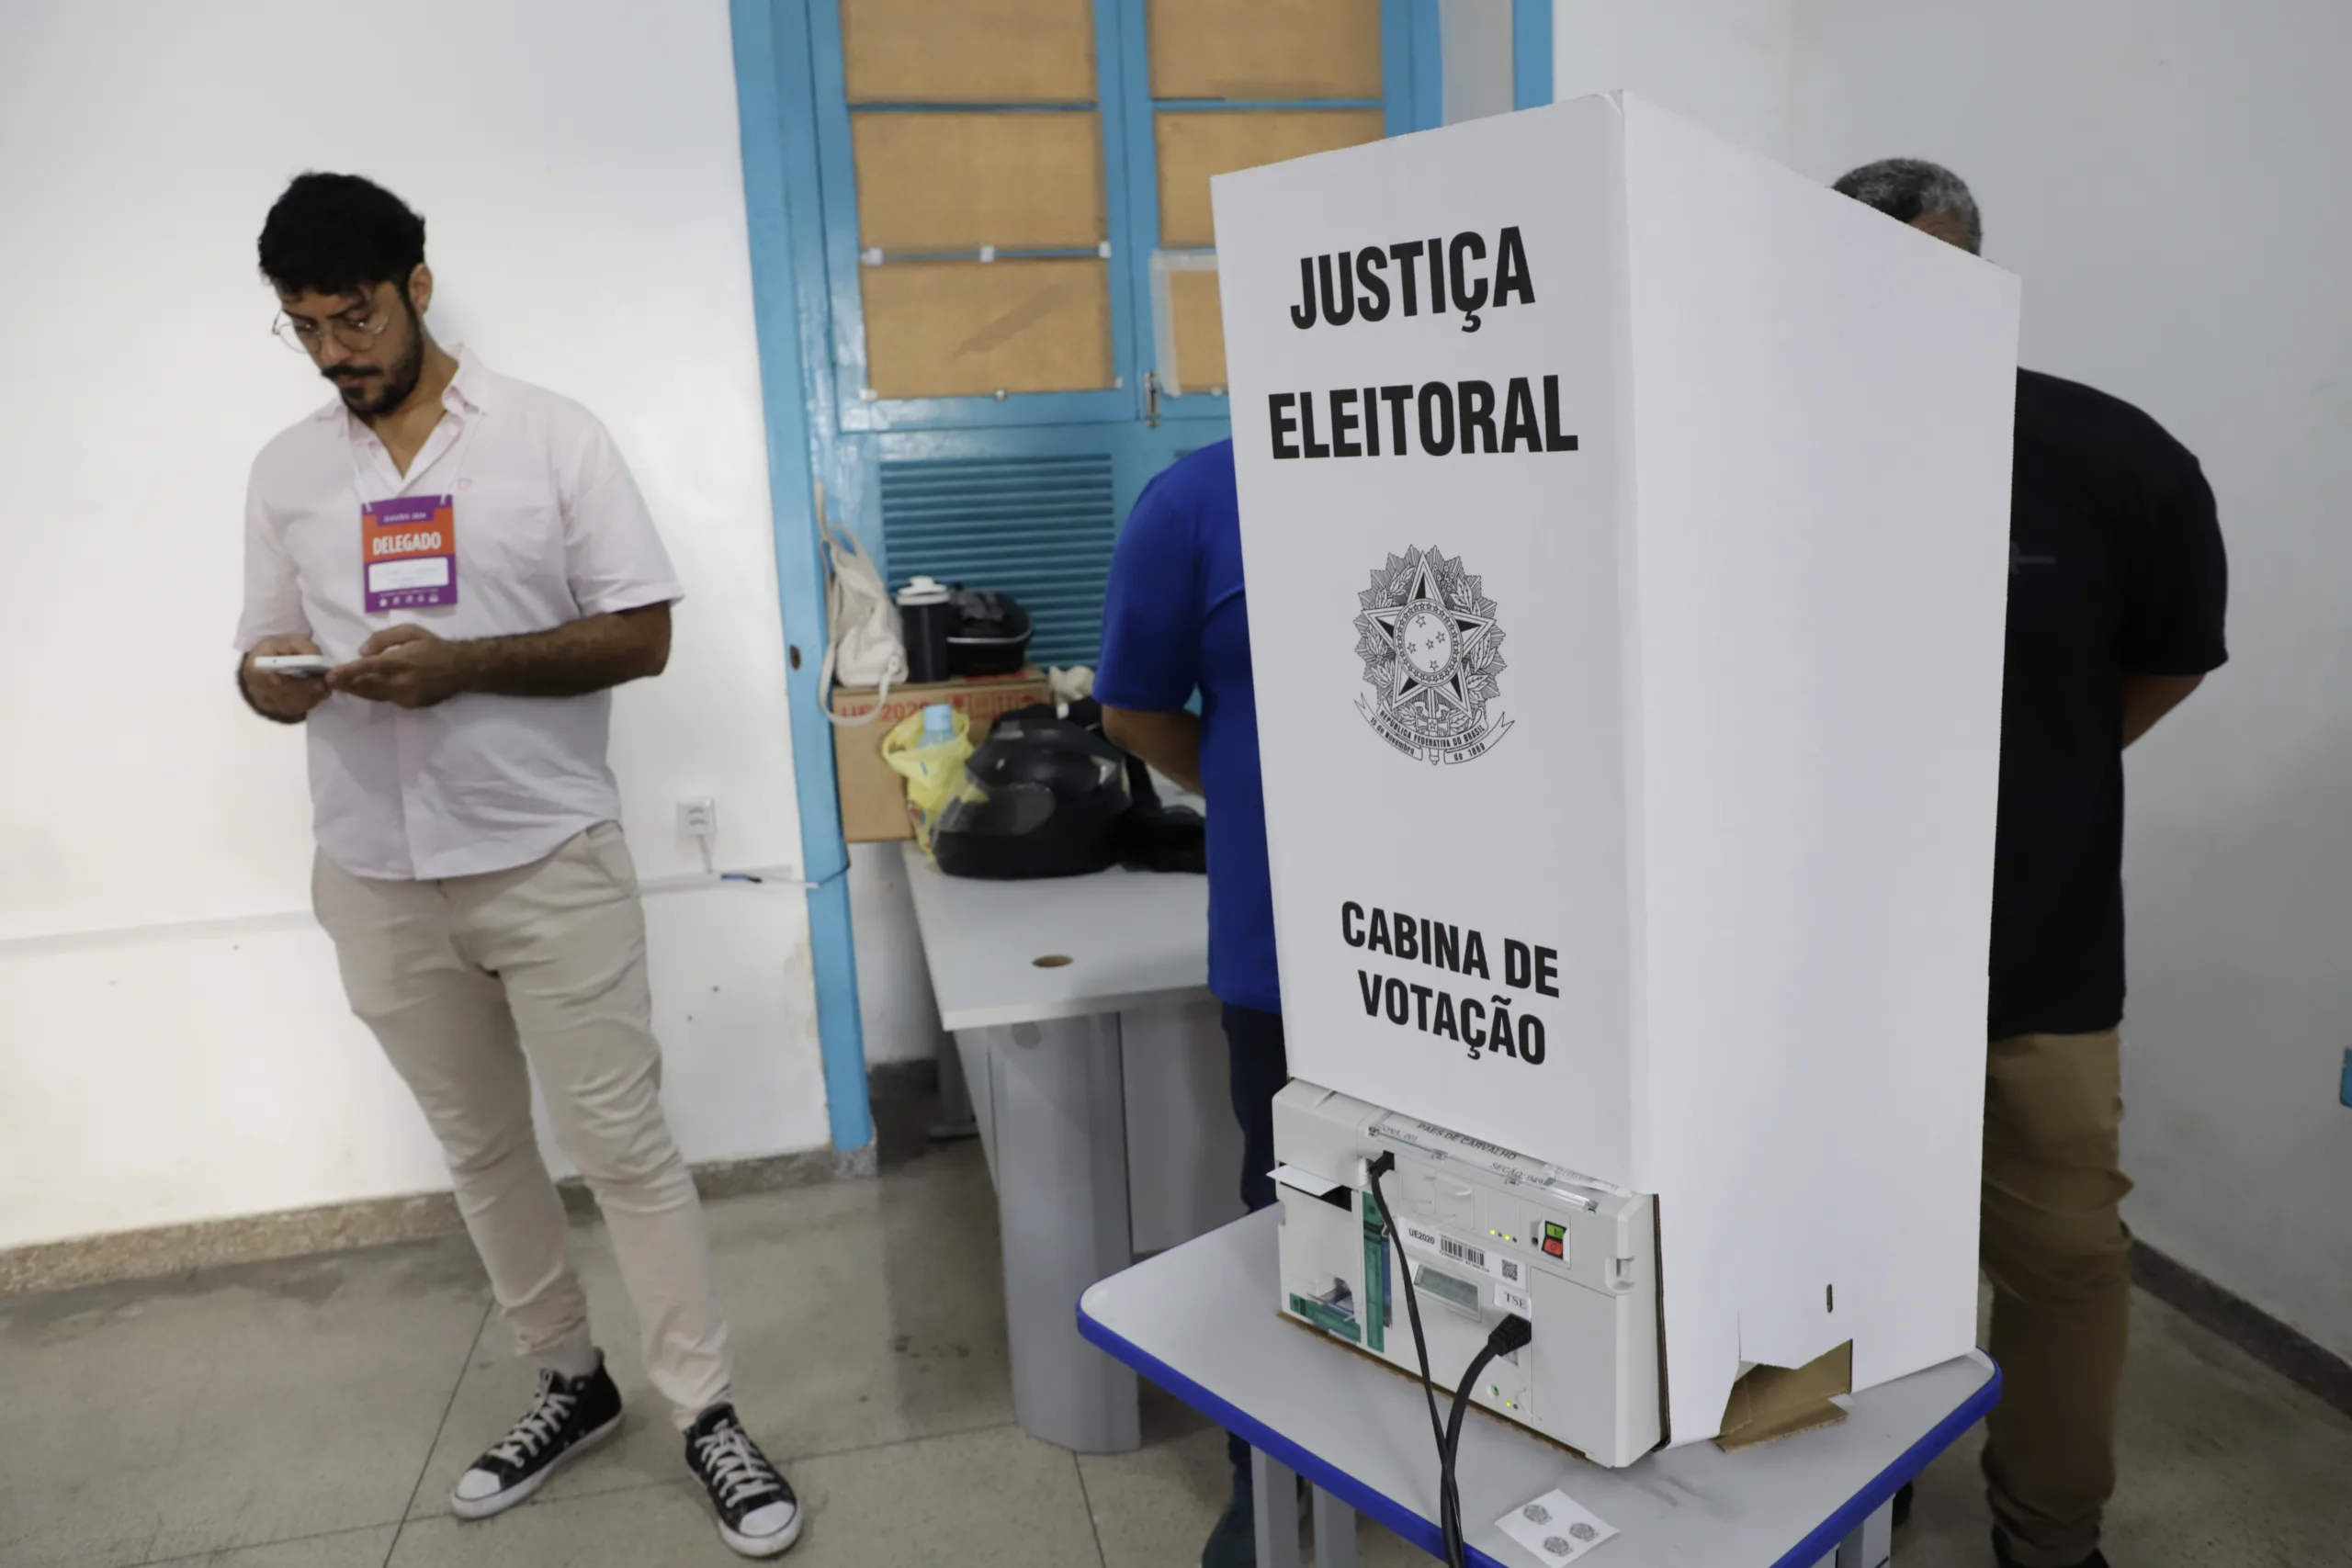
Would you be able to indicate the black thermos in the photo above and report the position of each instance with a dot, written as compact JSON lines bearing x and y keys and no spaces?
{"x":927,"y":616}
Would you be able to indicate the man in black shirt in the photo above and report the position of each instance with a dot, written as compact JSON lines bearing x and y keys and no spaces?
{"x":2117,"y":588}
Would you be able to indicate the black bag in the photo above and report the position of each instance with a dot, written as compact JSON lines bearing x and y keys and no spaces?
{"x":1158,"y":836}
{"x":1047,"y":794}
{"x":990,"y":635}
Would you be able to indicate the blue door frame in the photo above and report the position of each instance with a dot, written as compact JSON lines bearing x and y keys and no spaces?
{"x":787,"y":231}
{"x":1531,"y":52}
{"x":791,"y":397}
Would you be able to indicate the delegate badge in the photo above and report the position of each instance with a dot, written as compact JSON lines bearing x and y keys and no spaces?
{"x":409,"y":552}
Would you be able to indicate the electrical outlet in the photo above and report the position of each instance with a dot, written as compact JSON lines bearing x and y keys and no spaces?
{"x":699,"y":818}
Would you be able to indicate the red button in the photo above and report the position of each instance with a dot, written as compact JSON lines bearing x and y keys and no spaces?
{"x":1552,"y":1246}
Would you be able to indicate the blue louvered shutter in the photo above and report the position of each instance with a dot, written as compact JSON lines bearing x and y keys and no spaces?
{"x":1040,"y":528}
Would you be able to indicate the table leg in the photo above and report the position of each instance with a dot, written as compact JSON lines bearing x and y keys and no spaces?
{"x":1872,"y":1545}
{"x":1335,"y":1531}
{"x":1058,"y":1118}
{"x":1274,"y":1507}
{"x":956,"y":1118}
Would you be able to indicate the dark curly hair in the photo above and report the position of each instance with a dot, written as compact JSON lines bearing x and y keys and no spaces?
{"x":339,"y":235}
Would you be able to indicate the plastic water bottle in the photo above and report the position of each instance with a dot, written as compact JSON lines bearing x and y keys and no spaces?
{"x":938,"y":724}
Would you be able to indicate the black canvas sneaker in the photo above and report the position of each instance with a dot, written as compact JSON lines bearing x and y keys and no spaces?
{"x":758,"y":1515}
{"x":569,"y":1416}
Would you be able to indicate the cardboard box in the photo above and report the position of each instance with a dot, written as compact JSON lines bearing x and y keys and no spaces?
{"x":1770,"y":1403}
{"x":1627,"y":591}
{"x":874,"y":798}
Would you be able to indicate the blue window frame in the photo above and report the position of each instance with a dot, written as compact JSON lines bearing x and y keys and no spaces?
{"x":892,"y":467}
{"x":1123,"y":98}
{"x":845,"y":258}
{"x":1412,"y":100}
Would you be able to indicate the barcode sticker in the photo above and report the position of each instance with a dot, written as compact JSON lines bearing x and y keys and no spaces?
{"x":1468,"y":1253}
{"x":1461,"y":1252}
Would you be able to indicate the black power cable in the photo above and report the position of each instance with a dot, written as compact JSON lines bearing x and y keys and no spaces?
{"x":1511,"y":1333}
{"x":1379,"y":1168}
{"x":1508,"y":1336}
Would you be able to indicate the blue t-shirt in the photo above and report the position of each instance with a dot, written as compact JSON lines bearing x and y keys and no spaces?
{"x":1174,"y":619}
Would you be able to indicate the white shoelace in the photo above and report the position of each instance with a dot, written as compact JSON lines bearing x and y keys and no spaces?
{"x":737,"y":1472}
{"x":536,"y":1429}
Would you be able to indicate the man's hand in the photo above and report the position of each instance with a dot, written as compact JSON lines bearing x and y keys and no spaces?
{"x":2147,"y":698}
{"x":288,"y":699}
{"x":407,"y":667}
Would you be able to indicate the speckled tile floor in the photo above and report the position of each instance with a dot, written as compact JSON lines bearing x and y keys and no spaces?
{"x":313,"y":1415}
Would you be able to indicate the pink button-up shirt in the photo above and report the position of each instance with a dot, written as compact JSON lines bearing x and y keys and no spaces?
{"x":551,"y":529}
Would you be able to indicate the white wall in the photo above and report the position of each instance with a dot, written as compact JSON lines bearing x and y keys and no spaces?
{"x":578,"y":167}
{"x":1723,"y":63}
{"x":2168,"y":177}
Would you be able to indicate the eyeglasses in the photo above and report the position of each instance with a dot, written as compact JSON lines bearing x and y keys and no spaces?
{"x":351,"y":331}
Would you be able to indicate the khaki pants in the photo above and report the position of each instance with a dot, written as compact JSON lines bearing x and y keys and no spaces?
{"x":2058,"y":1255}
{"x":470,"y":985}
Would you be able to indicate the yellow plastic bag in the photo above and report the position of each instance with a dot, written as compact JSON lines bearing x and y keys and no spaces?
{"x":932,"y":772}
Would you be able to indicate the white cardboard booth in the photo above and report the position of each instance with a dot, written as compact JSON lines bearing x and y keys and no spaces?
{"x":1626,"y":528}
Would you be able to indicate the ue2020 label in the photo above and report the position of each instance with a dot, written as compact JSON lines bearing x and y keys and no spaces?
{"x":1432,"y":656}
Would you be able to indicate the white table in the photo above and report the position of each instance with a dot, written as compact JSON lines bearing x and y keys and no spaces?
{"x":1200,"y":1321}
{"x":1081,"y":1016}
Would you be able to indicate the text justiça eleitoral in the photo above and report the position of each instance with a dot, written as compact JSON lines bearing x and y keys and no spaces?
{"x":1447,"y":416}
{"x":1431,"y":418}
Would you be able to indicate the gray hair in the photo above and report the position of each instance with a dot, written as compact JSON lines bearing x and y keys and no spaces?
{"x":1909,"y":188}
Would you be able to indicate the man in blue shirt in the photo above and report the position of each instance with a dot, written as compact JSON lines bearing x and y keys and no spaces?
{"x":1175,"y":621}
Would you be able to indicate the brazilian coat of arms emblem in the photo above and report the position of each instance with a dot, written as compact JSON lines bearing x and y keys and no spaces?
{"x":1433,"y":658}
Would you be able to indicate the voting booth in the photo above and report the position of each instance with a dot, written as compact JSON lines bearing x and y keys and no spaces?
{"x":1626,"y":521}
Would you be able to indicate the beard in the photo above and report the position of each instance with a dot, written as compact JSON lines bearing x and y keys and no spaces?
{"x":371,"y":391}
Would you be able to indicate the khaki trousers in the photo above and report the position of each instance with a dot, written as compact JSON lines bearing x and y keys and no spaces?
{"x":2058,"y":1255}
{"x":471,"y":985}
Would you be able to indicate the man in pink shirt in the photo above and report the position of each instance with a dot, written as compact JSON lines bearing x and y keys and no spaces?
{"x":470,"y":559}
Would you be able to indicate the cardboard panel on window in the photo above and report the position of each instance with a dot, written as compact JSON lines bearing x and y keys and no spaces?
{"x":1200,"y":329}
{"x":1265,"y":49}
{"x":1196,"y":144}
{"x":948,"y":181}
{"x":954,"y":329}
{"x":970,"y":52}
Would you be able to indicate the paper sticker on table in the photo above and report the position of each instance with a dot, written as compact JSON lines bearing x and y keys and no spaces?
{"x":1555,"y":1528}
{"x":1306,"y":1181}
